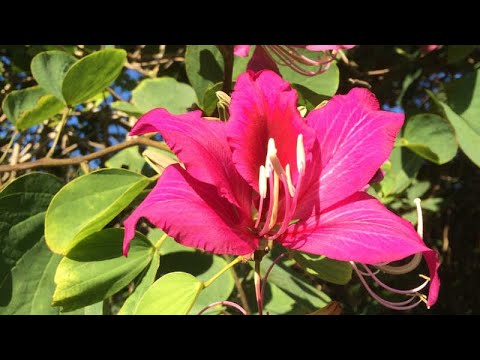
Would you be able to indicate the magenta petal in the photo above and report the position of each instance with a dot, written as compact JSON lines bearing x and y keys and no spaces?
{"x":202,"y":146}
{"x":361,"y":229}
{"x":264,"y":106}
{"x":328,"y":47}
{"x":241,"y":50}
{"x":355,"y":139}
{"x":194,"y":215}
{"x":261,"y":60}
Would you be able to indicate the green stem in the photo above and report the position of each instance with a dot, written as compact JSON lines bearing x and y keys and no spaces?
{"x":4,"y":155}
{"x":59,"y":132}
{"x":159,"y":243}
{"x":217,"y":275}
{"x":257,"y":278}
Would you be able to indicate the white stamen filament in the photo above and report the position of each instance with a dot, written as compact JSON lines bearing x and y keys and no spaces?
{"x":300,"y":154}
{"x":274,"y":167}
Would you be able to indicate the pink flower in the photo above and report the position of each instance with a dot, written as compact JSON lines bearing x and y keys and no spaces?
{"x":267,"y":56}
{"x":425,"y":49}
{"x":270,"y":175}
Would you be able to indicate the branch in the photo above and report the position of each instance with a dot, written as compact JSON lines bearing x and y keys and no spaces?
{"x":48,"y":162}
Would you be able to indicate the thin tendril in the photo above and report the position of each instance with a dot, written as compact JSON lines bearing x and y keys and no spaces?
{"x":226,"y":303}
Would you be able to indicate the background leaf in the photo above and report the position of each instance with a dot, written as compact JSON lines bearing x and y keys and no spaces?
{"x":204,"y":67}
{"x":49,"y":69}
{"x":30,"y":106}
{"x":91,"y":74}
{"x":163,"y":92}
{"x":433,"y":132}
{"x":23,"y":204}
{"x":334,"y":271}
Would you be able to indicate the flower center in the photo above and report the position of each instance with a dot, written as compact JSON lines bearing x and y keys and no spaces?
{"x":271,"y":175}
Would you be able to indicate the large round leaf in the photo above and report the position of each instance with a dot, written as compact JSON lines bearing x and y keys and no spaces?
{"x":96,"y":268}
{"x":432,"y":132}
{"x":86,"y":204}
{"x":203,"y":267}
{"x":91,"y":74}
{"x":49,"y":69}
{"x":163,"y":92}
{"x":23,"y":204}
{"x":28,"y":107}
{"x":172,"y":294}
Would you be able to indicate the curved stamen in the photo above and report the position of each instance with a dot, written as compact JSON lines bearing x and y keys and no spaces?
{"x":268,"y":273}
{"x":291,"y":64}
{"x":226,"y":303}
{"x":291,"y":57}
{"x":417,"y":258}
{"x":400,"y":305}
{"x":397,"y":291}
{"x":365,"y":273}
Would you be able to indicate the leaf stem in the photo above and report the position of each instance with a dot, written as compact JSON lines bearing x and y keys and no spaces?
{"x":217,"y":275}
{"x":4,"y":155}
{"x":59,"y":129}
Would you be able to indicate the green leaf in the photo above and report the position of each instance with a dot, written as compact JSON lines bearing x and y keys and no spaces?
{"x":131,"y":304}
{"x":163,"y":92}
{"x":334,"y":271}
{"x":127,"y":108}
{"x":23,"y":203}
{"x":96,"y":268}
{"x":203,"y":267}
{"x":91,"y":74}
{"x":94,"y":309}
{"x":404,"y":168}
{"x":204,"y":66}
{"x":29,"y":287}
{"x":210,"y":98}
{"x":456,"y":53}
{"x":277,"y":301}
{"x":172,"y":294}
{"x":463,"y":97}
{"x":417,"y":190}
{"x":28,"y":107}
{"x":49,"y":69}
{"x":313,"y":89}
{"x":129,"y":158}
{"x":468,"y":138}
{"x":88,"y":203}
{"x":431,"y":137}
{"x":34,"y":182}
{"x":306,"y":295}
